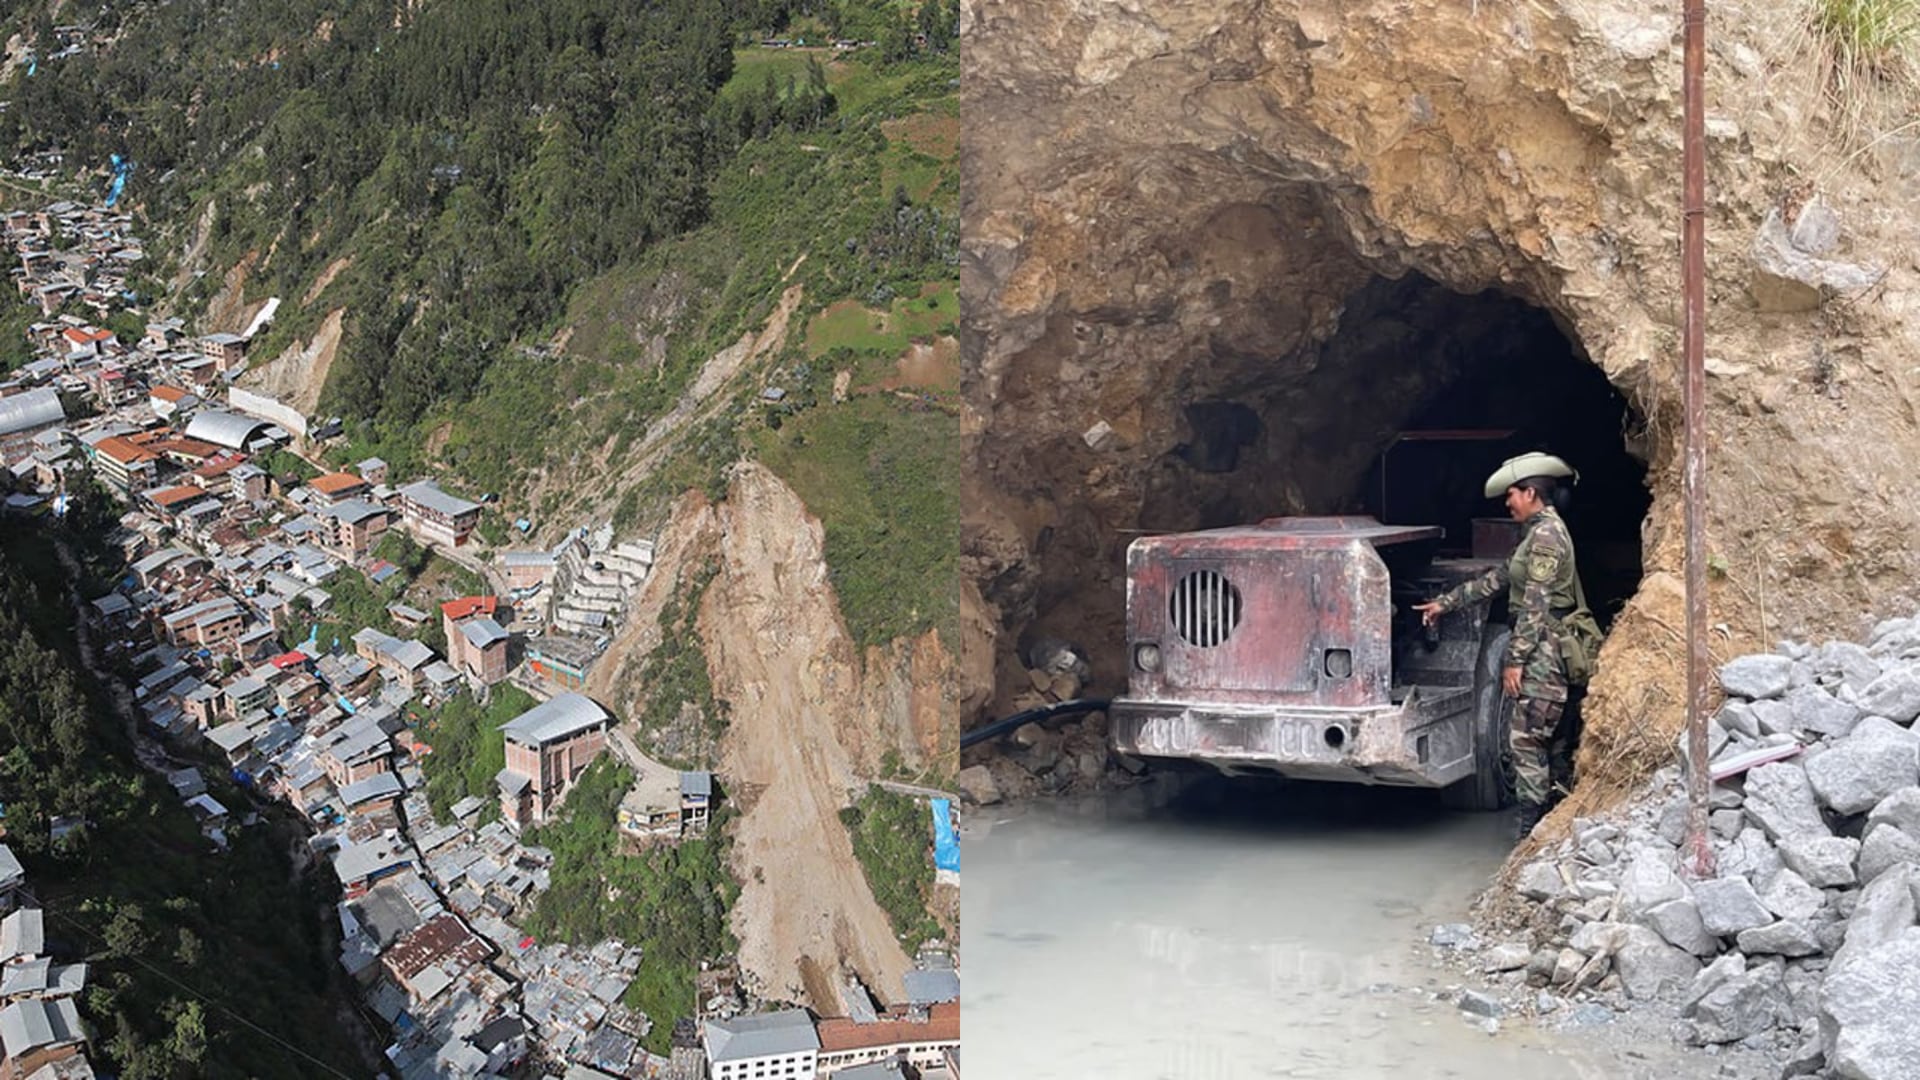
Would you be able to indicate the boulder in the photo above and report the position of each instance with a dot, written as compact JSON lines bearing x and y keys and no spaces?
{"x":1567,"y":967}
{"x":1894,"y":695}
{"x":1881,"y":726}
{"x":1651,"y":968}
{"x":977,"y":785}
{"x":1788,"y":937}
{"x":1649,"y":880}
{"x":1737,"y":718}
{"x":1740,"y":1005}
{"x":1785,"y":278}
{"x":1886,"y":847}
{"x":1758,"y":676}
{"x":1751,"y":856}
{"x":1540,"y":881}
{"x":1506,"y":956}
{"x":1856,"y":774}
{"x":1824,"y":861}
{"x":1774,"y":718}
{"x":1814,"y":709}
{"x":1726,"y":823}
{"x":1729,"y":905}
{"x":1678,"y":921}
{"x":1867,"y":1012}
{"x":1600,"y":938}
{"x":1900,"y":809}
{"x":1479,"y":1004}
{"x":1883,"y":911}
{"x":1855,"y":666}
{"x":1790,"y":897}
{"x":1780,"y":800}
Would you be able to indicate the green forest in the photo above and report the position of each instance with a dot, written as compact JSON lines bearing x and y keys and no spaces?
{"x":474,"y":161}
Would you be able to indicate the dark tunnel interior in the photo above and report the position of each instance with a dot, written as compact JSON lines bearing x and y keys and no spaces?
{"x":1407,"y":408}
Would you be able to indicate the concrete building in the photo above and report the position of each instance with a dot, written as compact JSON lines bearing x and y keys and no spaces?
{"x":354,"y":526}
{"x":548,"y":747}
{"x":123,"y":465}
{"x":25,"y":415}
{"x":206,"y":624}
{"x":476,"y":643}
{"x":921,"y":1043}
{"x":338,"y":487}
{"x":779,"y":1045}
{"x":435,"y":517}
{"x":527,"y":569}
{"x":561,"y":659}
{"x":225,"y":350}
{"x":36,"y":1033}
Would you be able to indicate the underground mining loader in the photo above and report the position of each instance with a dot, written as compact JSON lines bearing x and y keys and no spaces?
{"x":1290,"y":648}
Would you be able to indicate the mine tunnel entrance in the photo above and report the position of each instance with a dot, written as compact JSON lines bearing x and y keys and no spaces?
{"x":1405,"y":409}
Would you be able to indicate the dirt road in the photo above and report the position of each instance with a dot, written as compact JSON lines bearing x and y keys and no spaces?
{"x":1198,"y":931}
{"x":780,"y":655}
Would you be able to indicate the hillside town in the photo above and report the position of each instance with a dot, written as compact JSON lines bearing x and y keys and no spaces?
{"x":240,"y":547}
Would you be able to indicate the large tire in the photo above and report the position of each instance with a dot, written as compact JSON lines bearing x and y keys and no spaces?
{"x":1491,"y":785}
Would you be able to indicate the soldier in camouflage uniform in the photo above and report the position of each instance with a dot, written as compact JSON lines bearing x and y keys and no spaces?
{"x":1543,"y":590}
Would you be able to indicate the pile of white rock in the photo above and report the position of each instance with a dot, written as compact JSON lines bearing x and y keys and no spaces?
{"x":1803,"y":944}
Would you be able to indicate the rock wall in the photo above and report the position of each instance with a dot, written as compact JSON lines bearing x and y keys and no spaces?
{"x":1172,"y":202}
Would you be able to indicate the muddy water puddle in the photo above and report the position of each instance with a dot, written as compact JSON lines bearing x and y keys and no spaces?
{"x":1191,"y":929}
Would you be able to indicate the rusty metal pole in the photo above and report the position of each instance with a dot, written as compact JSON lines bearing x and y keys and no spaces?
{"x":1693,"y":274}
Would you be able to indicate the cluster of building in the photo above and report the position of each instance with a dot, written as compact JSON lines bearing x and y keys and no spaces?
{"x":41,"y":1035}
{"x":69,"y":252}
{"x":229,"y":558}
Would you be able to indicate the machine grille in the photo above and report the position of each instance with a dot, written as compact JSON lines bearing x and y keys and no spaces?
{"x":1204,"y":608}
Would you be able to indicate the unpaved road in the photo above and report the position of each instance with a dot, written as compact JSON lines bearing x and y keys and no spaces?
{"x":1190,"y":929}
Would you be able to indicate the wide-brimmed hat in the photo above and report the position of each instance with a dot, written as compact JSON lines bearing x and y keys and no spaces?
{"x":1525,"y":467}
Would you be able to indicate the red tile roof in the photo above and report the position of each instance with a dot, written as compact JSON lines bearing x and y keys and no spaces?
{"x":167,"y":393}
{"x":175,"y":496}
{"x":335,"y":483}
{"x":469,"y":606}
{"x":942,"y":1025}
{"x":123,"y":451}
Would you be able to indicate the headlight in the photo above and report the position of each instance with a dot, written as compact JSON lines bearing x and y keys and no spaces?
{"x":1146,"y":656}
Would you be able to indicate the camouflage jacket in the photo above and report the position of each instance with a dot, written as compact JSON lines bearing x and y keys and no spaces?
{"x":1541,"y":589}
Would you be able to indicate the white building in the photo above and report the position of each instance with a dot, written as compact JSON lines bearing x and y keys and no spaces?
{"x":769,"y":1046}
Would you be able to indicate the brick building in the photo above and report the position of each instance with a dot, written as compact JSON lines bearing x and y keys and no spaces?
{"x":548,"y":747}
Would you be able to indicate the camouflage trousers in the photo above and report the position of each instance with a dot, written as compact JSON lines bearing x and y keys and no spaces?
{"x":1536,"y":721}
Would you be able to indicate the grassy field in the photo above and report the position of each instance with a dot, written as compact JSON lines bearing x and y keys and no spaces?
{"x":880,"y":475}
{"x":850,"y":324}
{"x":891,"y":837}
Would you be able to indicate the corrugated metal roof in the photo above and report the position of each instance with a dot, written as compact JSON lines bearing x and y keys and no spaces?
{"x":482,"y":632}
{"x":555,"y":718}
{"x":789,"y":1031}
{"x":428,"y":494}
{"x":30,"y":1025}
{"x":230,"y":430}
{"x":35,"y":408}
{"x":381,"y":785}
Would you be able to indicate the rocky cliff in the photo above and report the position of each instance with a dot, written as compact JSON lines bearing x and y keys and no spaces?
{"x":1268,"y":208}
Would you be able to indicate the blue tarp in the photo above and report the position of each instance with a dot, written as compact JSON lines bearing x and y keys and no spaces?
{"x":120,"y":170}
{"x":946,"y":846}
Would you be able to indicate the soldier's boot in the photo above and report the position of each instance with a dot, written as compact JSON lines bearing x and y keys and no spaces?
{"x":1529,"y":815}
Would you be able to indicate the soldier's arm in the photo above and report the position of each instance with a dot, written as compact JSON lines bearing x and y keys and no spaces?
{"x":1488,"y":584}
{"x":1532,"y":622}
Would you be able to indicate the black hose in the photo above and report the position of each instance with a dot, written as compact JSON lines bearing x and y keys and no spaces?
{"x":1044,"y":712}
